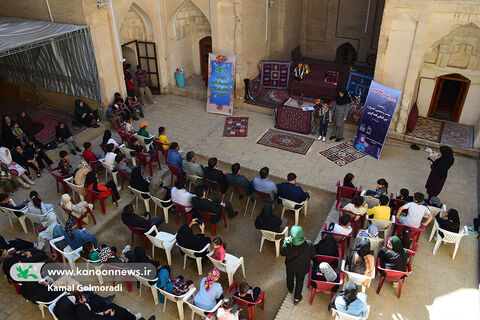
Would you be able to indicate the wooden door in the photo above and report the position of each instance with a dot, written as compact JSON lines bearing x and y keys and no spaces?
{"x":147,"y":59}
{"x":461,"y":95}
{"x":205,"y":45}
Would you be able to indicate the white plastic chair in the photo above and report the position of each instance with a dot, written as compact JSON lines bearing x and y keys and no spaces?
{"x":67,"y":252}
{"x":146,"y":283}
{"x":275,"y":237}
{"x":11,"y":214}
{"x":291,"y":205}
{"x":127,"y":153}
{"x":42,"y":305}
{"x":111,"y":169}
{"x":193,"y":179}
{"x":162,"y":240}
{"x":230,"y":266}
{"x":141,"y":140}
{"x":383,"y":226}
{"x":159,"y":203}
{"x":139,"y":195}
{"x":52,"y":306}
{"x":448,"y":237}
{"x":434,"y":210}
{"x":191,"y":253}
{"x":75,"y":188}
{"x":357,"y":278}
{"x":374,"y":244}
{"x":37,"y":218}
{"x":343,"y":316}
{"x":97,"y":266}
{"x":371,"y":201}
{"x":179,"y":300}
{"x":201,"y":312}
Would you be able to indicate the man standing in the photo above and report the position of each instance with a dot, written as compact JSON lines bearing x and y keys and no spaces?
{"x":141,"y":78}
{"x":128,"y":79}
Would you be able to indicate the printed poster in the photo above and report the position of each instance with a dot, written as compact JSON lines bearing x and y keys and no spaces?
{"x":376,"y":118}
{"x":221,"y":75}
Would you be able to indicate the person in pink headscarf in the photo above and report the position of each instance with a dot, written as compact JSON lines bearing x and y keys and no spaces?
{"x":210,"y":291}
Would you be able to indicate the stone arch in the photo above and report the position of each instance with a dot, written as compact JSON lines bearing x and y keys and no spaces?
{"x":136,"y":25}
{"x":346,"y":54}
{"x":187,"y":19}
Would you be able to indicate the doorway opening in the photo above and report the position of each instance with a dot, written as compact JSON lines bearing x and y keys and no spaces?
{"x":205,"y":45}
{"x":346,"y":54}
{"x":448,"y":97}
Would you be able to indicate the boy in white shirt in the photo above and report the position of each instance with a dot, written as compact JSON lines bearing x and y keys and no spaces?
{"x":344,"y":226}
{"x":110,"y":156}
{"x":416,"y":212}
{"x":228,"y":310}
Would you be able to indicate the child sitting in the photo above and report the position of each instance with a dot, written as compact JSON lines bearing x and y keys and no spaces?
{"x":382,"y":188}
{"x":129,"y":126}
{"x":228,"y":310}
{"x":381,"y":212}
{"x":344,"y":226}
{"x":64,"y":166}
{"x":163,"y":138}
{"x":416,"y":211}
{"x":247,"y":293}
{"x":404,"y":195}
{"x":18,"y":132}
{"x":219,"y":249}
{"x":359,"y":206}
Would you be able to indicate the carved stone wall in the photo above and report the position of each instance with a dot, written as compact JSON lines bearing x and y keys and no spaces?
{"x":190,"y":19}
{"x":133,"y":27}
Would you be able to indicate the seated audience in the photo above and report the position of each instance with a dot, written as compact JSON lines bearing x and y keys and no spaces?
{"x":290,"y":191}
{"x":138,"y":182}
{"x":449,"y":221}
{"x":26,"y":255}
{"x":17,"y":244}
{"x":158,"y":190}
{"x":91,"y":183}
{"x":323,"y":272}
{"x":64,"y":135}
{"x":350,"y":302}
{"x":134,"y":106}
{"x":416,"y":212}
{"x":247,"y":293}
{"x":191,"y":167}
{"x":38,"y":291}
{"x":177,"y":287}
{"x":52,"y":229}
{"x":348,"y":181}
{"x":77,"y":209}
{"x":266,"y":220}
{"x":393,"y":256}
{"x":8,"y":182}
{"x":64,"y":165}
{"x":359,"y":207}
{"x":122,"y":164}
{"x":344,"y":226}
{"x":162,"y":137}
{"x":85,"y":115}
{"x":37,"y":206}
{"x":15,"y":168}
{"x":201,"y":202}
{"x":18,"y":132}
{"x":31,"y":128}
{"x":181,"y":196}
{"x":209,"y":291}
{"x":228,"y":310}
{"x":145,"y":221}
{"x":213,"y":174}
{"x":187,"y":239}
{"x":89,"y":155}
{"x":218,"y":249}
{"x":174,"y":158}
{"x":406,"y":238}
{"x":382,"y":188}
{"x":107,"y":138}
{"x":76,"y":238}
{"x":236,"y":179}
{"x":263,"y":184}
{"x":25,"y":160}
{"x":134,"y":145}
{"x":79,"y":176}
{"x":7,"y":202}
{"x":37,"y":150}
{"x":405,"y":195}
{"x":113,"y":115}
{"x":8,"y":138}
{"x":129,"y":126}
{"x":361,"y":260}
{"x":144,"y":133}
{"x":382,"y":211}
{"x":326,"y":246}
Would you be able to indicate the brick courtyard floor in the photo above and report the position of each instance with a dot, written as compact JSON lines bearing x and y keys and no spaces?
{"x":439,"y":288}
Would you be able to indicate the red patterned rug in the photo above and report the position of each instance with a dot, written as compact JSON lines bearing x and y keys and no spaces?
{"x":235,"y":127}
{"x":286,"y":141}
{"x":457,"y":134}
{"x":342,"y":154}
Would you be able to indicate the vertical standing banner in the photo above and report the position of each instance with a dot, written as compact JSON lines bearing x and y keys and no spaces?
{"x":221,"y":75}
{"x":376,"y":118}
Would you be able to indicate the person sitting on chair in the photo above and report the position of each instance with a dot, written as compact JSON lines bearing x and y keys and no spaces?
{"x":236,"y":179}
{"x":290,"y":191}
{"x":266,"y":220}
{"x":382,"y":211}
{"x":187,"y":239}
{"x":89,"y":155}
{"x":181,"y":196}
{"x":344,"y":226}
{"x":174,"y":158}
{"x":393,"y":256}
{"x":201,"y":202}
{"x":348,"y":181}
{"x":350,"y":302}
{"x":191,"y":167}
{"x":263,"y":184}
{"x":145,"y":221}
{"x":213,"y":174}
{"x":359,"y":207}
{"x":247,"y":293}
{"x":416,"y":212}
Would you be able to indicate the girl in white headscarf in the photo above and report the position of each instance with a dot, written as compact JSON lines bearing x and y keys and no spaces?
{"x":6,"y":159}
{"x":77,"y":209}
{"x":49,"y":232}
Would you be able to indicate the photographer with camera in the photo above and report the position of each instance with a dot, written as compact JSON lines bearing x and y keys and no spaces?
{"x":187,"y":239}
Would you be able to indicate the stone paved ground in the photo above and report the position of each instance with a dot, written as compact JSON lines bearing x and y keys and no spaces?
{"x":436,"y":279}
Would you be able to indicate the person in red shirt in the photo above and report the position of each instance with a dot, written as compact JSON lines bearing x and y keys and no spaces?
{"x":129,"y":80}
{"x":91,"y":183}
{"x":90,"y":156}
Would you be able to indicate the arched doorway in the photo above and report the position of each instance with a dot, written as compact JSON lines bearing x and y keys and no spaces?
{"x":448,"y":97}
{"x":205,"y":45}
{"x":346,"y":54}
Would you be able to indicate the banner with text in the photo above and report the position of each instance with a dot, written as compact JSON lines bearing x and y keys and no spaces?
{"x":376,"y":118}
{"x":221,"y":75}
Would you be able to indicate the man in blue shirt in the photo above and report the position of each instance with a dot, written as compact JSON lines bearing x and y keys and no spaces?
{"x":174,"y":158}
{"x":290,"y":191}
{"x":263,"y":184}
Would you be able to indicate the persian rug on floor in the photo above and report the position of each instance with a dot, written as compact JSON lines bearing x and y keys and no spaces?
{"x":342,"y":154}
{"x":457,"y":134}
{"x":428,"y":129}
{"x":275,"y":74}
{"x":235,"y":127}
{"x":286,"y":141}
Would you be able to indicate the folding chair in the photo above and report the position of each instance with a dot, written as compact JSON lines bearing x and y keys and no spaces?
{"x":262,"y":196}
{"x":241,"y":192}
{"x":213,"y":186}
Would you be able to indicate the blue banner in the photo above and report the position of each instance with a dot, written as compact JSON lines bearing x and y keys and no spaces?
{"x":376,"y":118}
{"x":220,"y":83}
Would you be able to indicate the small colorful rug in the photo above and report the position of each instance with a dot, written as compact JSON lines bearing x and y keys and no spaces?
{"x":342,"y":154}
{"x":286,"y":141}
{"x":428,"y":129}
{"x":275,"y":74}
{"x":457,"y":134}
{"x":235,"y":127}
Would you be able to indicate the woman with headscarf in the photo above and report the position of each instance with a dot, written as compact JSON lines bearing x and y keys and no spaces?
{"x":266,"y":220}
{"x":138,"y":182}
{"x":107,"y":138}
{"x":19,"y":171}
{"x":142,"y":257}
{"x":439,"y":170}
{"x":326,"y":246}
{"x":360,"y":260}
{"x":91,"y":183}
{"x":37,"y":206}
{"x":79,"y":176}
{"x":393,"y":256}
{"x":84,"y":310}
{"x":76,"y":238}
{"x":53,"y":229}
{"x":298,"y":253}
{"x":157,"y":188}
{"x":8,"y":182}
{"x":30,"y":127}
{"x":350,"y":301}
{"x":77,"y":209}
{"x":340,"y":112}
{"x":450,"y":221}
{"x":8,"y":138}
{"x":209,"y":291}
{"x":85,"y":115}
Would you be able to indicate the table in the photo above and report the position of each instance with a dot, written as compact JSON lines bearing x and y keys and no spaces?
{"x":290,"y":116}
